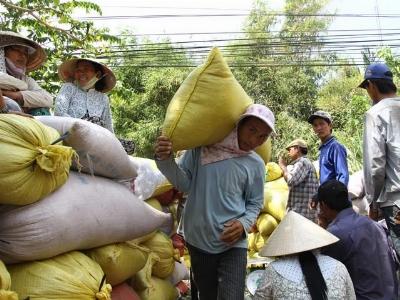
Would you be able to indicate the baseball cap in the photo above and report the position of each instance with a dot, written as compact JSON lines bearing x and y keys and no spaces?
{"x":297,"y":142}
{"x":376,"y":71}
{"x":321,"y":115}
{"x":262,"y":112}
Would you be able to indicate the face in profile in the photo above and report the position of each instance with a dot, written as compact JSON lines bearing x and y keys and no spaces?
{"x":252,"y":132}
{"x":18,"y":55}
{"x":84,"y":72}
{"x":322,"y":128}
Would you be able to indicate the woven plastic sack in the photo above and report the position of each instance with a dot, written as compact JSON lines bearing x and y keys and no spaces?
{"x":30,"y":167}
{"x":356,"y":185}
{"x":265,"y":150}
{"x":5,"y":284}
{"x":161,"y":245}
{"x":86,"y":212}
{"x":274,"y":171}
{"x":255,"y":242}
{"x":100,"y":152}
{"x":181,"y":272}
{"x":266,"y":224}
{"x":211,"y":97}
{"x":150,"y":182}
{"x":119,"y":261}
{"x":123,"y":292}
{"x":276,"y":195}
{"x":69,"y":276}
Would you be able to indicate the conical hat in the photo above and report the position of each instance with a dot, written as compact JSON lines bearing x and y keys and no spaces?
{"x":296,"y":234}
{"x":67,"y":68}
{"x":36,"y":56}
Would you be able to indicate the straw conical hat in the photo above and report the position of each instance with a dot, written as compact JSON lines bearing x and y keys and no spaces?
{"x":36,"y":56}
{"x":296,"y":234}
{"x":67,"y":68}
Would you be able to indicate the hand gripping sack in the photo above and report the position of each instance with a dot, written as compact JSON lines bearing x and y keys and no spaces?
{"x":30,"y":166}
{"x":99,"y":151}
{"x":86,"y":212}
{"x":69,"y":276}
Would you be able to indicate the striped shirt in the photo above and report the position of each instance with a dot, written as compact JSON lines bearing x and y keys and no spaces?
{"x":303,"y":184}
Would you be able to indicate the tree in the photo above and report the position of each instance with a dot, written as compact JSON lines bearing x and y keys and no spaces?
{"x":49,"y":23}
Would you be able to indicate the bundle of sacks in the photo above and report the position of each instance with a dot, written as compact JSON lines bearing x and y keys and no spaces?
{"x":62,"y":206}
{"x":276,"y":194}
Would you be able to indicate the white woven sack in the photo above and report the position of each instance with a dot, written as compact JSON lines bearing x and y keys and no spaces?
{"x":86,"y":212}
{"x":356,"y":185}
{"x":181,"y":272}
{"x":8,"y":82}
{"x":100,"y":152}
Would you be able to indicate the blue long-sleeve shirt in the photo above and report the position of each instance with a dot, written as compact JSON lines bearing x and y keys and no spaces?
{"x":333,"y":162}
{"x":364,"y":249}
{"x":217,"y":192}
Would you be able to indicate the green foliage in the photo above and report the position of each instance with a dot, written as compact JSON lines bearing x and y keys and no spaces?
{"x":50,"y":24}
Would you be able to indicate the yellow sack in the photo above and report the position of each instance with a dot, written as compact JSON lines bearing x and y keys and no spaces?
{"x":206,"y":106}
{"x":274,"y":171}
{"x":266,"y":224}
{"x":119,"y":261}
{"x":162,"y":246}
{"x":5,"y":284}
{"x":142,"y":279}
{"x":30,"y":167}
{"x":69,"y":276}
{"x":265,"y":150}
{"x":160,"y":289}
{"x":256,"y":241}
{"x":276,"y":195}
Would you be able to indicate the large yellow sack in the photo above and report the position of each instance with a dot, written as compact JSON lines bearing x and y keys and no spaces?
{"x":30,"y":167}
{"x":5,"y":284}
{"x":69,"y":276}
{"x":276,"y":195}
{"x":255,"y":242}
{"x":274,"y":171}
{"x":206,"y":106}
{"x":161,"y":245}
{"x":266,"y":224}
{"x":265,"y":150}
{"x":119,"y":261}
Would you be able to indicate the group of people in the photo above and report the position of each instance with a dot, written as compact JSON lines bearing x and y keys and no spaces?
{"x":325,"y":249}
{"x":83,"y":94}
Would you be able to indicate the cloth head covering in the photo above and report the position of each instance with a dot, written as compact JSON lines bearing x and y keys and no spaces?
{"x":297,"y":142}
{"x":296,"y":234}
{"x":229,"y":146}
{"x":67,"y":69}
{"x":36,"y":54}
{"x":320,"y":114}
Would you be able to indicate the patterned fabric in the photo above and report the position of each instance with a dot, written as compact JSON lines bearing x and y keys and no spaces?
{"x":284,"y":280}
{"x":73,"y":102}
{"x":2,"y":61}
{"x":303,"y":184}
{"x":227,"y":148}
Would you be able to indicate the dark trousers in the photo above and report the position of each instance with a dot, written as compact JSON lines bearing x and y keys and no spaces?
{"x":219,"y":276}
{"x":389,"y":213}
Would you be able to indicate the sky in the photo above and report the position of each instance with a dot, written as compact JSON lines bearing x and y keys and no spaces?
{"x":175,"y":28}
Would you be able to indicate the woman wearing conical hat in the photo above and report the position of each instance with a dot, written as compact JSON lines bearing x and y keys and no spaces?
{"x":18,"y":56}
{"x":300,"y":272}
{"x":83,"y":95}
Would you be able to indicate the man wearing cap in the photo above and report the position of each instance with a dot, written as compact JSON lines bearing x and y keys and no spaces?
{"x":363,"y":245}
{"x":381,"y":146}
{"x":333,"y":155}
{"x":301,"y":179}
{"x":224,"y":183}
{"x":18,"y":56}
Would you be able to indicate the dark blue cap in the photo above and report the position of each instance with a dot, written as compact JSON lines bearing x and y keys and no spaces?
{"x":376,"y":71}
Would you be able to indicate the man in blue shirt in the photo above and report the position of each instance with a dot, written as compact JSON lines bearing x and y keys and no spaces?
{"x":333,"y":155}
{"x":224,"y":183}
{"x":363,"y":246}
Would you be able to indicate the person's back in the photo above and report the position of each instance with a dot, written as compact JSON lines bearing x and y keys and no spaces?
{"x":284,"y":280}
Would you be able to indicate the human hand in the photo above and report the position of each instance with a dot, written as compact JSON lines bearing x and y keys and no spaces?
{"x":282,"y":162}
{"x":233,"y":231}
{"x":179,"y":243}
{"x":14,"y":95}
{"x":163,"y":148}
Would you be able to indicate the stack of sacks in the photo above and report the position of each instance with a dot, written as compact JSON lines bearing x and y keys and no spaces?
{"x":212,"y":97}
{"x":276,"y":194}
{"x":357,"y":193}
{"x":5,"y":284}
{"x":75,"y":212}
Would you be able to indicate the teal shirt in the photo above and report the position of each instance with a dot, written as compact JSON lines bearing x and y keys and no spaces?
{"x":217,"y":192}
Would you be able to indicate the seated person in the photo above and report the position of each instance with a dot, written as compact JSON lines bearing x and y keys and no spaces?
{"x":83,"y":95}
{"x":300,"y":272}
{"x":19,"y":55}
